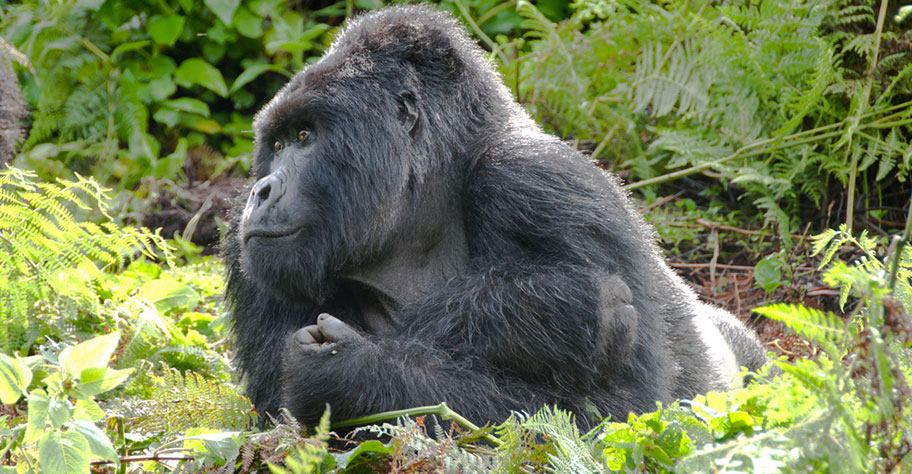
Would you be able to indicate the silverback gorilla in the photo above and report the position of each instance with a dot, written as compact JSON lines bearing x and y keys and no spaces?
{"x":413,"y":237}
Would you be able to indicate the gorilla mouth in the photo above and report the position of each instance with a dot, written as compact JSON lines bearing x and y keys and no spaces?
{"x":271,"y":234}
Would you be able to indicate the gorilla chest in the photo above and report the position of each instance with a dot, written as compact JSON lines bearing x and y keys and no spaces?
{"x":374,"y":295}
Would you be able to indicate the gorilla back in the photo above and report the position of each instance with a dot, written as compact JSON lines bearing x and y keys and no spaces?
{"x":413,"y":237}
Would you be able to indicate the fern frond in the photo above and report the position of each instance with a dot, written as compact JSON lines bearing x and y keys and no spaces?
{"x":48,"y":257}
{"x":811,"y":323}
{"x":573,"y":454}
{"x":187,"y":400}
{"x":664,"y":79}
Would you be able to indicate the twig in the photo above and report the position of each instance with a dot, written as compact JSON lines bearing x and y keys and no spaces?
{"x":720,"y":266}
{"x":146,"y":457}
{"x":441,"y":410}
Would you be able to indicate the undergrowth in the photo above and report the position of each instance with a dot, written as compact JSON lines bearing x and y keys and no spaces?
{"x":791,"y":103}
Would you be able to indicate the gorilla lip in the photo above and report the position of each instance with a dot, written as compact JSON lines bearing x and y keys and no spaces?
{"x":271,"y":234}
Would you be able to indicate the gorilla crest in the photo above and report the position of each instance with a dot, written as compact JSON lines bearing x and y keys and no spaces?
{"x":413,"y":237}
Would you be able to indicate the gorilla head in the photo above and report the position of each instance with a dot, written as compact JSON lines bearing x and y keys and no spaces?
{"x":354,"y":154}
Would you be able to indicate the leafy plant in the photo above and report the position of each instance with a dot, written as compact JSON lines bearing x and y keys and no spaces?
{"x":186,"y":400}
{"x":52,"y":264}
{"x":60,"y":434}
{"x":778,"y":98}
{"x":124,"y":90}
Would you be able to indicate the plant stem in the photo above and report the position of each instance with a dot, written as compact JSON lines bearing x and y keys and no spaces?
{"x":481,"y":34}
{"x":756,"y":148}
{"x":441,"y":410}
{"x":897,"y":251}
{"x":862,"y":106}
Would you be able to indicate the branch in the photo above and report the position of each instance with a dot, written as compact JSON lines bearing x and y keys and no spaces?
{"x":441,"y":410}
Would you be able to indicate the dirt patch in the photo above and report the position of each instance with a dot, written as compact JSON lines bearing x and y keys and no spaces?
{"x":205,"y":204}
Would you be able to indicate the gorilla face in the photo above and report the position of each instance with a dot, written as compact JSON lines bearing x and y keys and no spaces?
{"x":329,"y":192}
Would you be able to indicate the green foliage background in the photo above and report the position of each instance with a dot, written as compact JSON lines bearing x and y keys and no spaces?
{"x":760,"y":114}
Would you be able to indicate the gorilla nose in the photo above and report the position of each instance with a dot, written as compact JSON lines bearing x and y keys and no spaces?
{"x":265,"y":193}
{"x":261,"y":190}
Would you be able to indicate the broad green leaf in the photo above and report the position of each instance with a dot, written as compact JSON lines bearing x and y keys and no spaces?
{"x":99,"y":443}
{"x":37,"y":415}
{"x":127,"y":47}
{"x":248,"y":24}
{"x":767,"y":274}
{"x":223,"y":9}
{"x":95,"y":380}
{"x":169,"y":117}
{"x":253,"y":72}
{"x":58,"y":412}
{"x":15,"y":378}
{"x":167,"y":294}
{"x":165,"y":29}
{"x":95,"y":352}
{"x":161,"y":88}
{"x":223,"y":445}
{"x":187,"y":104}
{"x":88,"y":410}
{"x":198,"y":71}
{"x":63,"y":453}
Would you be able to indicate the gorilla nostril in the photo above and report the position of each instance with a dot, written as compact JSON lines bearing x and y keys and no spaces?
{"x":262,"y":193}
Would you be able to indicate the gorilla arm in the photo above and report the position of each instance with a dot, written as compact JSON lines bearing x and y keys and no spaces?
{"x":330,"y":362}
{"x":499,"y":340}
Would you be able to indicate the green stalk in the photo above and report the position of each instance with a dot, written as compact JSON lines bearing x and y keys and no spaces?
{"x":897,"y":251}
{"x":756,"y":148}
{"x":441,"y":410}
{"x":862,"y":106}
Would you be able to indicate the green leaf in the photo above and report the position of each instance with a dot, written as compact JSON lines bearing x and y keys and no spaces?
{"x":63,"y":453}
{"x":95,"y":380}
{"x":186,"y":104}
{"x":99,"y":444}
{"x":37,"y":415}
{"x":224,"y":9}
{"x":169,"y":117}
{"x":127,"y":47}
{"x":167,"y":294}
{"x":198,"y":71}
{"x":767,"y":273}
{"x":253,"y":72}
{"x":161,"y":88}
{"x":165,"y":29}
{"x":15,"y":378}
{"x":223,"y":445}
{"x":58,"y":412}
{"x":90,"y":4}
{"x":95,"y":352}
{"x":248,"y":24}
{"x":88,"y":410}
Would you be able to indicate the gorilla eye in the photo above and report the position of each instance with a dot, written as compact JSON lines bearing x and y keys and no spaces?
{"x":303,"y":135}
{"x":277,"y":146}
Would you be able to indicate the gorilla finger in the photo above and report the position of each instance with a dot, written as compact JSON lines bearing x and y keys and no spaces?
{"x":335,"y":330}
{"x":309,"y":335}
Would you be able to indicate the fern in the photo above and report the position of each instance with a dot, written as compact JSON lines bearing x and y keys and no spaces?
{"x":186,"y":400}
{"x":665,"y":79}
{"x":811,"y":323}
{"x":574,"y":453}
{"x":47,"y":257}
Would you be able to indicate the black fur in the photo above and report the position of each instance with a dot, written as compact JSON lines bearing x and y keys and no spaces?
{"x":463,"y":255}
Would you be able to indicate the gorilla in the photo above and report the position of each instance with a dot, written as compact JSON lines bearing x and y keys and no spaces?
{"x":413,"y":237}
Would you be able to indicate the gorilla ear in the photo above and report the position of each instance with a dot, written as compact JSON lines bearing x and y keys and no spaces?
{"x":408,"y":113}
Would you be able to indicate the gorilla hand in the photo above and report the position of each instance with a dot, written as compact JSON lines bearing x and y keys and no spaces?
{"x":325,"y":335}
